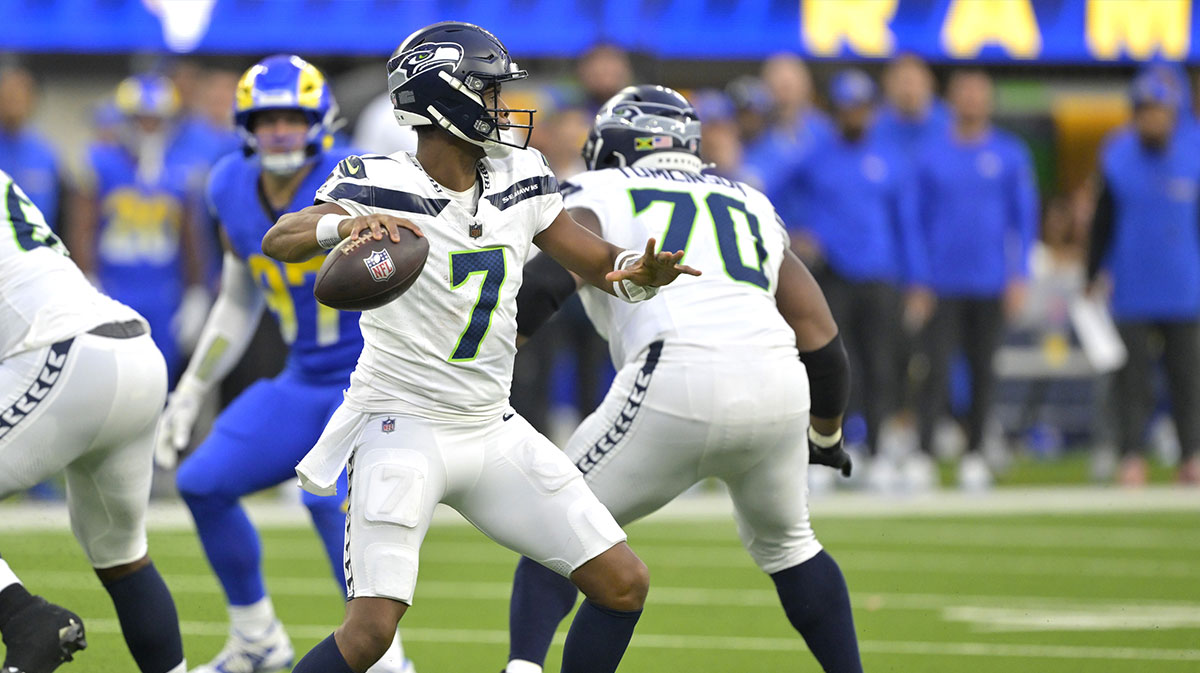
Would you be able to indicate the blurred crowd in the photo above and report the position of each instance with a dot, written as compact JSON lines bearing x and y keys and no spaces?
{"x":959,"y":285}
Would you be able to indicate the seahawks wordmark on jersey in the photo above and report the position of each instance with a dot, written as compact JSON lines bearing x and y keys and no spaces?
{"x":445,"y":348}
{"x":727,"y":230}
{"x":44,"y":298}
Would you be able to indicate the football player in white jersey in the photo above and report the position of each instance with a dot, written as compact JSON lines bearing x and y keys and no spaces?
{"x":426,"y":418}
{"x":713,"y":379}
{"x":81,"y":386}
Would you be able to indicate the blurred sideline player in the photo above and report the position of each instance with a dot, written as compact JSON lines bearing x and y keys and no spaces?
{"x":81,"y":384}
{"x":283,"y":110}
{"x":135,"y":230}
{"x":711,"y":378}
{"x":426,"y":418}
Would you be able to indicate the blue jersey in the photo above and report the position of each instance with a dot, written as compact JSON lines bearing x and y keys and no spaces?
{"x":978,"y":212}
{"x":908,"y":135}
{"x":324,"y":342}
{"x":33,"y":164}
{"x":138,"y":252}
{"x":1154,"y":253}
{"x":857,"y":200}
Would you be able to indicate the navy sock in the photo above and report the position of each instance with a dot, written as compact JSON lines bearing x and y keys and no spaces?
{"x":816,"y":601}
{"x":597,"y":639}
{"x":324,"y":658}
{"x":541,"y":598}
{"x":148,"y":619}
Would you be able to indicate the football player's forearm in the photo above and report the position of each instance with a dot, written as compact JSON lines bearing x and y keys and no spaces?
{"x":294,"y":237}
{"x":230,"y":325}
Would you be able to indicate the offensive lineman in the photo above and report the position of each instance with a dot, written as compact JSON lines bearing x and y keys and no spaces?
{"x":81,"y":384}
{"x":730,"y":340}
{"x":283,"y":111}
{"x":425,"y":419}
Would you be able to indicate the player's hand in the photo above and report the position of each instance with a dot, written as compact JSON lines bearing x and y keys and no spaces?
{"x":653,"y":269}
{"x":829,"y":451}
{"x":376,"y":225}
{"x":175,"y":424}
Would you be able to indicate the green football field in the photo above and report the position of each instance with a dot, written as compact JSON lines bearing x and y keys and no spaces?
{"x":978,"y":592}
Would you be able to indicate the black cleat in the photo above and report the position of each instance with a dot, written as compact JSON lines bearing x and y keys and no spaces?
{"x":40,"y":637}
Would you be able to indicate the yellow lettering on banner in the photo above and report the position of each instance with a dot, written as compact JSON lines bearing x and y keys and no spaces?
{"x":972,"y":24}
{"x":1139,"y":27}
{"x":861,"y":24}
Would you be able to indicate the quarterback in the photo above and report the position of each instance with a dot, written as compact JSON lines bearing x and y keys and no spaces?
{"x":713,"y":381}
{"x":426,"y":419}
{"x":283,"y":111}
{"x":81,"y":385}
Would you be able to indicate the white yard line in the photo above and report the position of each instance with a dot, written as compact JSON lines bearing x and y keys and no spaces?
{"x":184,"y":584}
{"x":172,"y":515}
{"x":733,"y":643}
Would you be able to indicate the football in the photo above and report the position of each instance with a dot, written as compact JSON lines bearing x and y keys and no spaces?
{"x":360,"y":274}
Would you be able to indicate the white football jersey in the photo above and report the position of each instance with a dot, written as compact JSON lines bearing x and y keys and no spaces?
{"x":445,"y":347}
{"x":727,"y":230}
{"x":44,"y":297}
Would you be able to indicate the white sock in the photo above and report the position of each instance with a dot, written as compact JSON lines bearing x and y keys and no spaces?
{"x":181,"y":668}
{"x":522,"y":666}
{"x":254,"y":620}
{"x":7,"y":576}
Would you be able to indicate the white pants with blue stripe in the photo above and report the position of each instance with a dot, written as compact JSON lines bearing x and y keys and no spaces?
{"x":679,"y":414}
{"x":87,"y":406}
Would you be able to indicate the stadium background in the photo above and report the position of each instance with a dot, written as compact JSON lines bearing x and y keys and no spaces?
{"x":1042,"y":574}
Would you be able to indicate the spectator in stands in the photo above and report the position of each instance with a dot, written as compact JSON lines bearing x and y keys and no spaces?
{"x":24,"y":154}
{"x":978,"y":208}
{"x":855,"y":211}
{"x":720,"y":144}
{"x":794,"y":124}
{"x":603,"y":70}
{"x":912,"y":112}
{"x":1145,"y":251}
{"x":751,"y":112}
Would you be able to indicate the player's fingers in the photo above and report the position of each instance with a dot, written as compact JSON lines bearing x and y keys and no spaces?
{"x":393,"y":231}
{"x":407,"y":224}
{"x":618,"y":275}
{"x":650,"y":249}
{"x":376,"y":230}
{"x":684,"y":268}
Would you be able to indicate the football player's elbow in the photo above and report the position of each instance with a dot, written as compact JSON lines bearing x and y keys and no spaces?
{"x":277,"y":244}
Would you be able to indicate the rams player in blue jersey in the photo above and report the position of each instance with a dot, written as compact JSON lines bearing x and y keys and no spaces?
{"x":283,"y":110}
{"x":137,"y":236}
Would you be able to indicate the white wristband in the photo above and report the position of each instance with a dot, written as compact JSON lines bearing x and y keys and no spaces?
{"x":327,"y":230}
{"x":628,"y":290}
{"x":824,"y":441}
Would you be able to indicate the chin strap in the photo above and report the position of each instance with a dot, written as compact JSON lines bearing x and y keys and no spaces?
{"x":679,"y":161}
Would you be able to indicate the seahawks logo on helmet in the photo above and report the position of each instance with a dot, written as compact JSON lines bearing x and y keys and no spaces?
{"x":428,"y":56}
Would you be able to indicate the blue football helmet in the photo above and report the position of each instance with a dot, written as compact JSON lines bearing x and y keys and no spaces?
{"x":449,"y":74}
{"x":285,"y":82}
{"x":147,"y":95}
{"x":644,"y":121}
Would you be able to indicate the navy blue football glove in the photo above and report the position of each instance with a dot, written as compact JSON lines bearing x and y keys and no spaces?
{"x":829,"y":450}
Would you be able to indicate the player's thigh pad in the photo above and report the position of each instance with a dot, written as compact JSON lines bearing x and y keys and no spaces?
{"x":635,"y":457}
{"x":771,"y":499}
{"x":108,"y":487}
{"x":396,"y":479}
{"x":530,"y":498}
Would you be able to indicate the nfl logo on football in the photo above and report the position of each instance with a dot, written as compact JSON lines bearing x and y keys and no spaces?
{"x":379,"y":263}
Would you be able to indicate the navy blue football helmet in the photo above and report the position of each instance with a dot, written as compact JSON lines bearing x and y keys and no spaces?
{"x":449,"y":74}
{"x":642,"y":121}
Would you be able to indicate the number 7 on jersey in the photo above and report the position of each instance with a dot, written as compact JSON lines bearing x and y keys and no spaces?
{"x":466,"y":263}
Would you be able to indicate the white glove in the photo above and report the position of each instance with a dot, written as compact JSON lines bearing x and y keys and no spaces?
{"x":175,"y":424}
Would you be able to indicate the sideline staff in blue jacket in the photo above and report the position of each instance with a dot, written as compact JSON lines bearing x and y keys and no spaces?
{"x":1146,"y":236}
{"x":852,"y":199}
{"x":978,"y":204}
